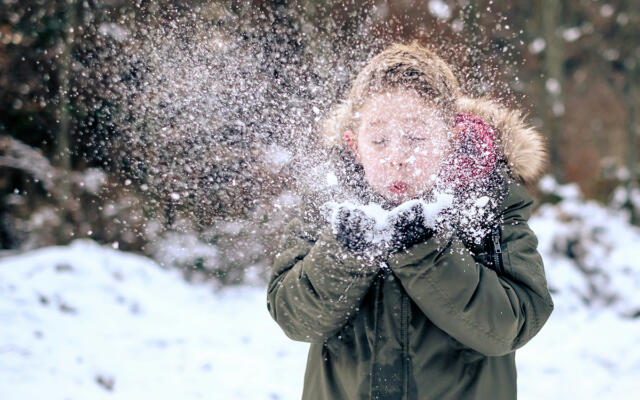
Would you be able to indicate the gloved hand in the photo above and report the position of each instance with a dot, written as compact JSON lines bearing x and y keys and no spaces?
{"x":354,"y":229}
{"x":408,"y":228}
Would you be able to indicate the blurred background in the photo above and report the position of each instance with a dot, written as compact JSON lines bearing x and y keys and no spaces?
{"x":179,"y":131}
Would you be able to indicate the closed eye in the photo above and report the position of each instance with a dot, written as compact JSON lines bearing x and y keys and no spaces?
{"x":415,"y":138}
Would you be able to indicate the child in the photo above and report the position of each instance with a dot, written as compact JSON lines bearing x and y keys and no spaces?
{"x":435,"y":310}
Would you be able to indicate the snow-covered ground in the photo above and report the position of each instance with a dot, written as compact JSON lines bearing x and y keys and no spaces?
{"x":86,"y":321}
{"x":89,"y":322}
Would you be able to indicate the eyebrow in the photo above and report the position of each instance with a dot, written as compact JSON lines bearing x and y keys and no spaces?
{"x":382,"y":121}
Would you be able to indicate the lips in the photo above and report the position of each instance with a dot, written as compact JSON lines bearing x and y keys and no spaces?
{"x":398,"y":187}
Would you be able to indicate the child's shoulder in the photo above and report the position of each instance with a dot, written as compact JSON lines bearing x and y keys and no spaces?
{"x":517,"y":199}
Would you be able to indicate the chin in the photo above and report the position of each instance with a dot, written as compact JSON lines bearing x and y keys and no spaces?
{"x":400,"y":197}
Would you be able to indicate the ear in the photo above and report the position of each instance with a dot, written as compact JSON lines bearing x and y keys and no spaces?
{"x":350,"y":141}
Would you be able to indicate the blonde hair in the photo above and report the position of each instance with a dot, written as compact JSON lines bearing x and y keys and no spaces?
{"x":412,"y":67}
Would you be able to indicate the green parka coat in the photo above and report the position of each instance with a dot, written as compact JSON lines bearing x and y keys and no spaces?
{"x":435,"y":321}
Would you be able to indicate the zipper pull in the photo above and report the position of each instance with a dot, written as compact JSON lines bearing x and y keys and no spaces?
{"x":497,"y":250}
{"x":496,"y":241}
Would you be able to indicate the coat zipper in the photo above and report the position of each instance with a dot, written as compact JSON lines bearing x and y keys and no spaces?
{"x":404,"y":328}
{"x":373,"y":384}
{"x":497,"y":249}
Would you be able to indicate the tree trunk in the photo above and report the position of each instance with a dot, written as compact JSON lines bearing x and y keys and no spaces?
{"x":63,"y":143}
{"x":551,"y":14}
{"x":632,"y":155}
{"x":62,"y":156}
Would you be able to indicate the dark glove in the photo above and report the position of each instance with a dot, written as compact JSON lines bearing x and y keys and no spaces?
{"x":407,"y":228}
{"x":354,"y":230}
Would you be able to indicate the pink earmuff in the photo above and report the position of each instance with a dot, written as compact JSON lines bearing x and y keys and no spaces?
{"x":475,"y":154}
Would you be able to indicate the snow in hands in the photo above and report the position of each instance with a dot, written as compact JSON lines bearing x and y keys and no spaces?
{"x":379,"y":232}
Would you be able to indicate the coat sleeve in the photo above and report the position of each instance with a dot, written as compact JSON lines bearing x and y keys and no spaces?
{"x":491,"y":314}
{"x":316,"y":285}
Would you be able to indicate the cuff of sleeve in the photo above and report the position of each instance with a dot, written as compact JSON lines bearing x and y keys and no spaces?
{"x":420,"y":251}
{"x":329,"y":254}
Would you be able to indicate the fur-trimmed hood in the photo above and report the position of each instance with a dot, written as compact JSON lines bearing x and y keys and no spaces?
{"x":522,"y":146}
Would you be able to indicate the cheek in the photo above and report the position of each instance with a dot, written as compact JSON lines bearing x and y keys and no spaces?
{"x":374,"y":169}
{"x":427,"y":151}
{"x":428,"y":161}
{"x":431,"y":153}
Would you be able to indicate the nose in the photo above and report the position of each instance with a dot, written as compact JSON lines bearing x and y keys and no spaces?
{"x":398,"y":156}
{"x":397,"y":162}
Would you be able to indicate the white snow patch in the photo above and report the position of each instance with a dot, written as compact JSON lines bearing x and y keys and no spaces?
{"x":607,"y":10}
{"x":93,"y":179}
{"x":178,"y":249}
{"x":75,"y":315}
{"x":482,"y":201}
{"x":277,"y":157}
{"x":439,"y":9}
{"x":553,"y":86}
{"x":537,"y":45}
{"x":571,"y":34}
{"x":332,"y":179}
{"x":117,"y":32}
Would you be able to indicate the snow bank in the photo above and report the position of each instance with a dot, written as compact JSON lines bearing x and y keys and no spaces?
{"x":590,"y":251}
{"x":89,"y":322}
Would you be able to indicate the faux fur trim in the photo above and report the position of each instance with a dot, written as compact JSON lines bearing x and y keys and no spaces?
{"x":523,"y":147}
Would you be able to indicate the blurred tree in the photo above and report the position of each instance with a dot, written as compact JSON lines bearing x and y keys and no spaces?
{"x":69,"y":27}
{"x":551,"y":18}
{"x":70,"y":76}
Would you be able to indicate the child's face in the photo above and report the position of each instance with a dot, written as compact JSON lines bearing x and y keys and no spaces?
{"x":401,"y":142}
